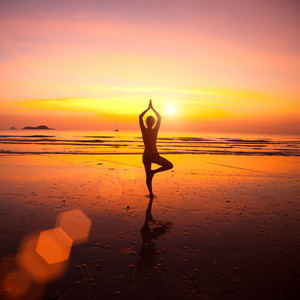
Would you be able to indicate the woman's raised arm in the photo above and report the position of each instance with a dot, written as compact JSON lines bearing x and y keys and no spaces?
{"x":157,"y":115}
{"x":141,"y":117}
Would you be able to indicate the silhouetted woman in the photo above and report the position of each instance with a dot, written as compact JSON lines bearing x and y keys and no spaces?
{"x":150,"y":154}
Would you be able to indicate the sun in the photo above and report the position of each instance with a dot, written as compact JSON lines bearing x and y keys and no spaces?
{"x":171,"y":110}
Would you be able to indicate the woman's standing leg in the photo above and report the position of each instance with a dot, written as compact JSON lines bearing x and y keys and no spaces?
{"x":149,"y":176}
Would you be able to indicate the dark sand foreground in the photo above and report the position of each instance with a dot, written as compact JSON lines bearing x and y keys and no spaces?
{"x":220,"y":227}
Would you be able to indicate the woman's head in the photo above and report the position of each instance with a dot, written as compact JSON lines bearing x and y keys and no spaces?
{"x":150,"y":121}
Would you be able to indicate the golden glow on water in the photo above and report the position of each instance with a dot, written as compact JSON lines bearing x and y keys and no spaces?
{"x":130,"y":142}
{"x":209,"y":199}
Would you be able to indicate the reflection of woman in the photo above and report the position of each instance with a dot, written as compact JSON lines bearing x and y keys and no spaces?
{"x":149,"y":236}
{"x":150,"y":154}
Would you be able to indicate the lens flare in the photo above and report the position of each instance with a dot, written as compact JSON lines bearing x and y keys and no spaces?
{"x":54,"y":245}
{"x":35,"y":265}
{"x":75,"y":224}
{"x":43,"y":257}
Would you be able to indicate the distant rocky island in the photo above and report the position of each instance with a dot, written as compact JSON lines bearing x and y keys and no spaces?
{"x":41,"y":127}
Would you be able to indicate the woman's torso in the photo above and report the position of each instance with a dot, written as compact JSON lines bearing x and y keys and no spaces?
{"x":150,"y":139}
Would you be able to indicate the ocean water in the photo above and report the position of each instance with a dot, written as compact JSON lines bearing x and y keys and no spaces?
{"x":104,"y":142}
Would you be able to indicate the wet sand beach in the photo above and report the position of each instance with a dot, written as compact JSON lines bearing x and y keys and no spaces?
{"x":220,"y":227}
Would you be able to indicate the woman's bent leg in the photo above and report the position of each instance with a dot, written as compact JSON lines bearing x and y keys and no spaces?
{"x":164,"y":163}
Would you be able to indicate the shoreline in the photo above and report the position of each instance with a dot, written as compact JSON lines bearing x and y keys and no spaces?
{"x":213,"y":153}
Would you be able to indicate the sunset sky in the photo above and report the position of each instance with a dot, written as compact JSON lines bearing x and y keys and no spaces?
{"x":224,"y":65}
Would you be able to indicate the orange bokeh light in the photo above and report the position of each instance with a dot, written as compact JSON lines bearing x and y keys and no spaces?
{"x":35,"y":265}
{"x":54,"y":245}
{"x":75,"y":224}
{"x":43,"y":257}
